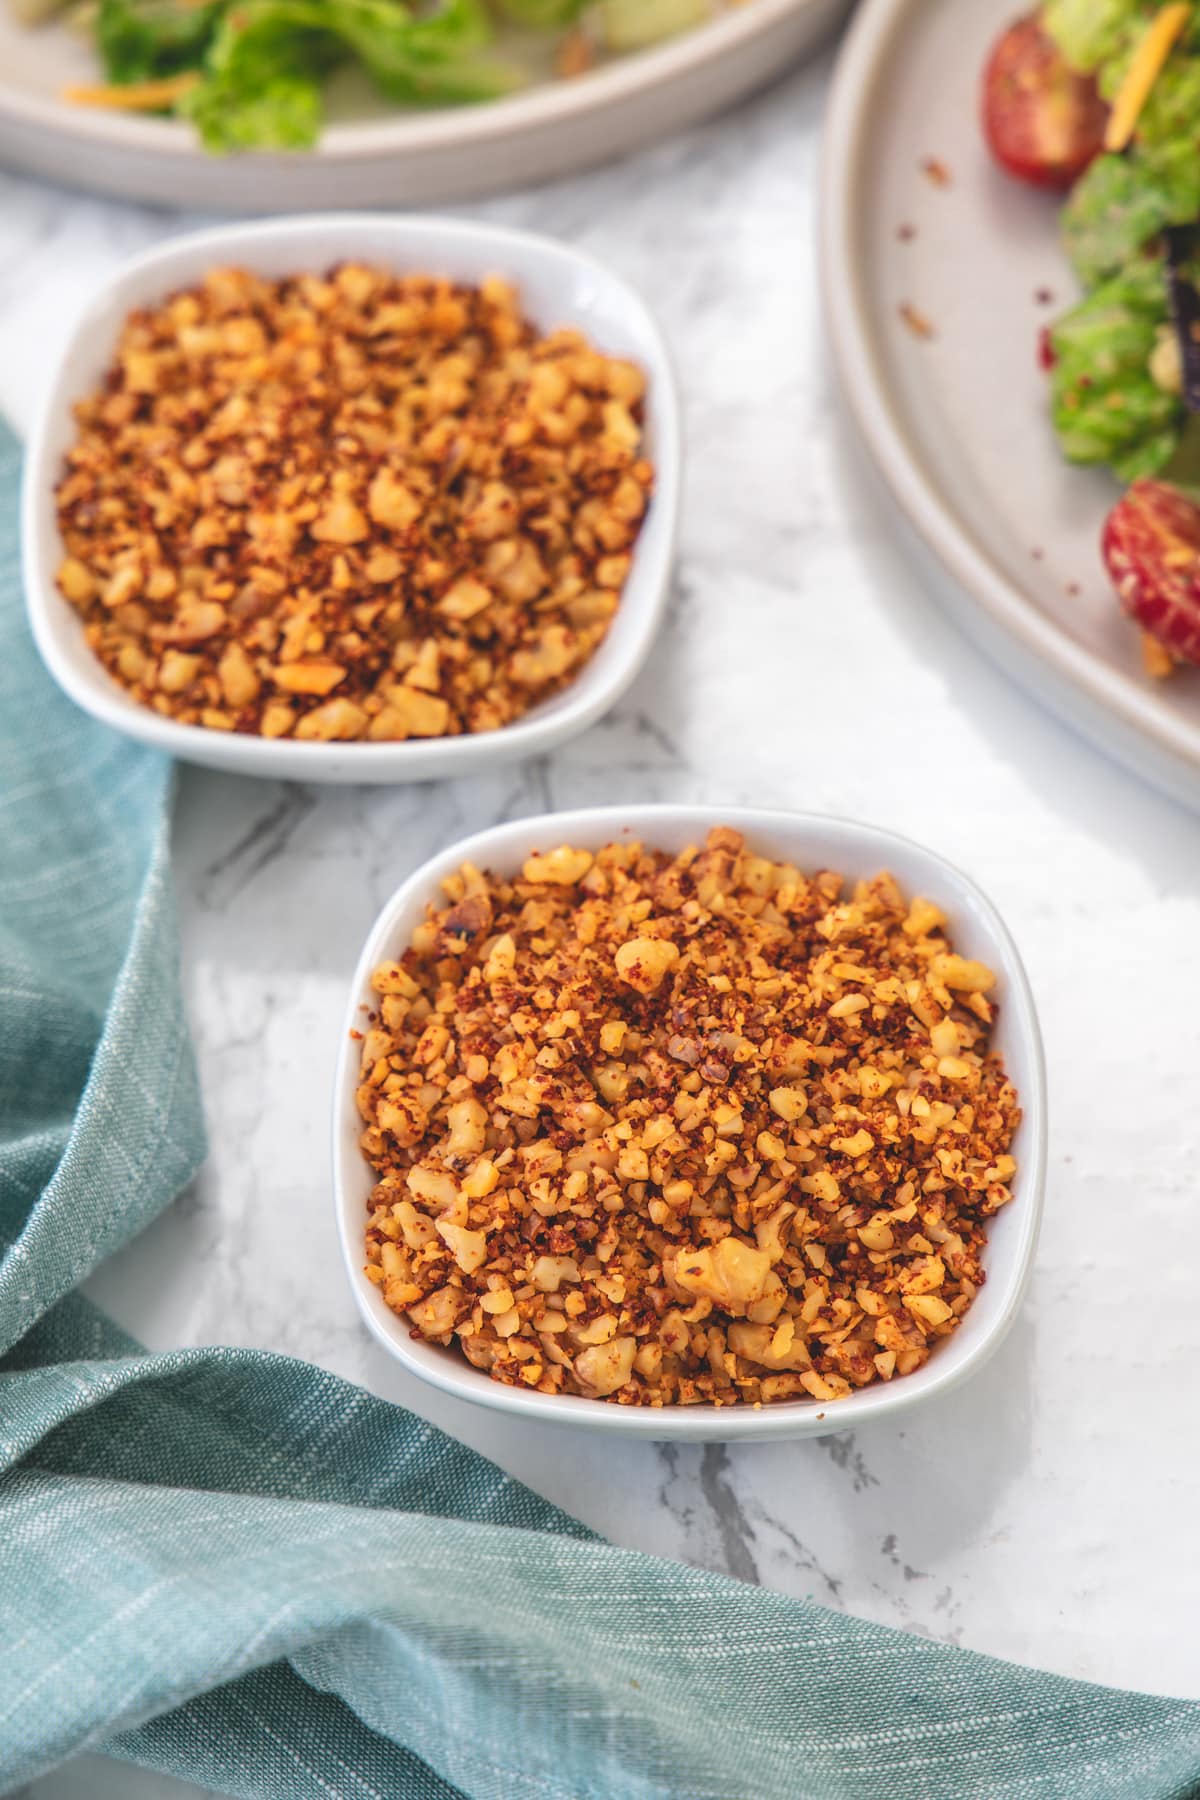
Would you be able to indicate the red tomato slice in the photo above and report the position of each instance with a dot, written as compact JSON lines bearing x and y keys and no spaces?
{"x":1151,"y":547}
{"x":1043,"y":121}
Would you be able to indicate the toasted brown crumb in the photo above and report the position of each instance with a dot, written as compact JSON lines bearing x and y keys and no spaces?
{"x":916,"y":321}
{"x":576,"y":55}
{"x":936,"y":171}
{"x":352,"y":506}
{"x":666,"y":1130}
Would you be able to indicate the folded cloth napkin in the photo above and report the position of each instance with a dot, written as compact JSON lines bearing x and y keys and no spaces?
{"x":235,"y":1568}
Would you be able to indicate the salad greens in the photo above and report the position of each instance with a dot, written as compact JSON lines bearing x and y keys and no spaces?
{"x":1121,"y":203}
{"x":1092,"y":32}
{"x":1124,"y":201}
{"x":1116,"y":391}
{"x":1101,"y":99}
{"x":251,"y":73}
{"x":1107,"y":407}
{"x":261,"y":63}
{"x":155,"y":37}
{"x":1097,"y":37}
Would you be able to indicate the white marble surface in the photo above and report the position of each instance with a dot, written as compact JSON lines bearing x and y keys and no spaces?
{"x":1045,"y":1511}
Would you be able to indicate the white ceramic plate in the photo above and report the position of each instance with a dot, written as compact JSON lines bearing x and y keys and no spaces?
{"x":558,"y":286}
{"x":811,"y":842}
{"x":389,"y":157}
{"x":958,"y":424}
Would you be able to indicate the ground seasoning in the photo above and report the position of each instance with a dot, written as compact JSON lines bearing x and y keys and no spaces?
{"x":665,"y":1130}
{"x":351,"y":506}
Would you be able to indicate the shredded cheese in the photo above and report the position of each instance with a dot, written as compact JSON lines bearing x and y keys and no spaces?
{"x":138,"y":96}
{"x":1156,"y":658}
{"x":1149,"y":59}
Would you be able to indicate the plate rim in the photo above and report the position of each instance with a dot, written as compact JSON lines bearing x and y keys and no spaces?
{"x":415,"y":132}
{"x":1083,"y":680}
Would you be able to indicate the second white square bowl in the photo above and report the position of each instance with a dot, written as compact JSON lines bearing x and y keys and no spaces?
{"x":812,"y":843}
{"x":558,"y":285}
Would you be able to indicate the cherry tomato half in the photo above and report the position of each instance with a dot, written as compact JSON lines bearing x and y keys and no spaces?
{"x":1043,"y":121}
{"x":1151,"y":547}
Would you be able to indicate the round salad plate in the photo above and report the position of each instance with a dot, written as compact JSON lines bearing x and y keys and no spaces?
{"x":939,"y":273}
{"x":370,"y":155}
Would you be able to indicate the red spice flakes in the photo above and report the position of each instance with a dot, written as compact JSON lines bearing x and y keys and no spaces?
{"x":935,"y":170}
{"x":906,"y":233}
{"x":1044,"y":296}
{"x":1047,"y":355}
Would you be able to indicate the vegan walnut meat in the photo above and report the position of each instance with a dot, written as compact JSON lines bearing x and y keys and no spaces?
{"x":666,"y":1130}
{"x":351,"y":506}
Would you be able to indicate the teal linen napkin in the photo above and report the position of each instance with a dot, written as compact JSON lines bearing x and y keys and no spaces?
{"x":235,"y":1568}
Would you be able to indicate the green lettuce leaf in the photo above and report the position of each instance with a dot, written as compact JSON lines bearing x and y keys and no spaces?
{"x":1106,"y":406}
{"x":142,"y":39}
{"x":1099,"y":36}
{"x":1121,"y":203}
{"x":263,"y":87}
{"x":1090,"y":32}
{"x":283,"y":113}
{"x":263,"y":80}
{"x":436,"y":59}
{"x":1170,"y":119}
{"x":1115,"y":64}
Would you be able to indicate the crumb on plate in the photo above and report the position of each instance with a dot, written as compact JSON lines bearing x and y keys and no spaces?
{"x":575,"y":55}
{"x":915,"y":319}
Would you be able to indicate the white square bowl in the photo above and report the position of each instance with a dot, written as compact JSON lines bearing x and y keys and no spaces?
{"x":558,"y":286}
{"x":811,"y":842}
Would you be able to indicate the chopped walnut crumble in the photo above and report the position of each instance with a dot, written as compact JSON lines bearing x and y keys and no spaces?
{"x":352,"y":506}
{"x":666,"y":1130}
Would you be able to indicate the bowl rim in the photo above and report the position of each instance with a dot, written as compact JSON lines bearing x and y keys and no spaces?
{"x":574,"y":708}
{"x":1107,"y":706}
{"x":499,"y":845}
{"x":411,"y":132}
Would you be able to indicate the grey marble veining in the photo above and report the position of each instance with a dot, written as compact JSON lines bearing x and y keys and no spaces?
{"x":1043,"y":1510}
